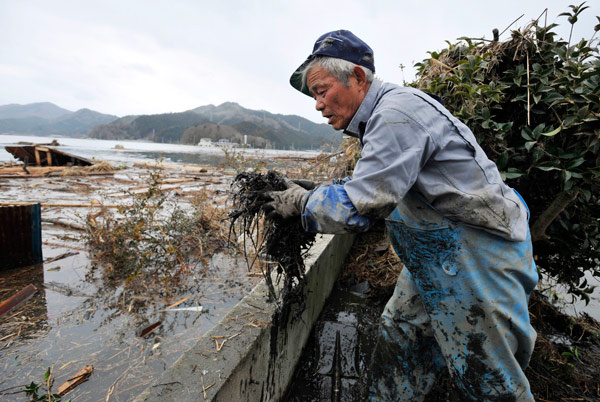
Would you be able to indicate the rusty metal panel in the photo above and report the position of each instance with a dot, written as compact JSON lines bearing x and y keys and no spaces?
{"x":20,"y":236}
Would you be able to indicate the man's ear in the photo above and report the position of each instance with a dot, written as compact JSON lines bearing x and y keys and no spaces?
{"x":361,"y":77}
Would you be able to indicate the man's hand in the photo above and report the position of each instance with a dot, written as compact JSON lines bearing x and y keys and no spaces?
{"x":287,"y":203}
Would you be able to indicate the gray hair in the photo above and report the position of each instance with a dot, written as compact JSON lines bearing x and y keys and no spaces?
{"x":340,"y":69}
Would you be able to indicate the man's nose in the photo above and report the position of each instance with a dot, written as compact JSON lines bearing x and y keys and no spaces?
{"x":320,"y":104}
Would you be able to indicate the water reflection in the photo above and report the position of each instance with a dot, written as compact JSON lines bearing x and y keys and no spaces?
{"x":78,"y":319}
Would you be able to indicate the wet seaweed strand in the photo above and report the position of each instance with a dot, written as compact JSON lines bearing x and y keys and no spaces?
{"x":282,"y":241}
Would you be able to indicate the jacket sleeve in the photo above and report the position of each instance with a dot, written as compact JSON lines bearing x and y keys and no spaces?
{"x":329,"y":210}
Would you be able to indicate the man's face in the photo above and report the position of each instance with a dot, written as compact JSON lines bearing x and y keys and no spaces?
{"x":336,"y":102}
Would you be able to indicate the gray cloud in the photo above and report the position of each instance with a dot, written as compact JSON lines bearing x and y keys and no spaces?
{"x":139,"y":56}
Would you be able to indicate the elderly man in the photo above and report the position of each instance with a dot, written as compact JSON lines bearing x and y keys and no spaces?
{"x":463,"y":235}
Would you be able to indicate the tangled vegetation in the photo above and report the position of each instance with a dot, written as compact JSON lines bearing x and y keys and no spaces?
{"x":533,"y":102}
{"x":283,"y":242}
{"x":154,"y":237}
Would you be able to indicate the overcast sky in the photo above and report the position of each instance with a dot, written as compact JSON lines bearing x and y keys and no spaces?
{"x":144,"y":57}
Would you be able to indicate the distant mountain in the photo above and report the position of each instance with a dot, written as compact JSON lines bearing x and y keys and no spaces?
{"x":261,"y":128}
{"x":48,"y":119}
{"x":283,"y":131}
{"x":44,"y":110}
{"x":226,"y":121}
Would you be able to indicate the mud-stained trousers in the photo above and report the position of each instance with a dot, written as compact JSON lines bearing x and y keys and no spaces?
{"x":460,"y":302}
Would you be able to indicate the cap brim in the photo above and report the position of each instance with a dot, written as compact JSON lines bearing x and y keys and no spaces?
{"x":296,"y":79}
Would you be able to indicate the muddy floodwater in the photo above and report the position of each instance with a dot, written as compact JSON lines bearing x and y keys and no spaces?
{"x":77,"y":319}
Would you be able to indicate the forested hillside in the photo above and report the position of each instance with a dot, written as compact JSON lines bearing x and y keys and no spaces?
{"x":227,"y":121}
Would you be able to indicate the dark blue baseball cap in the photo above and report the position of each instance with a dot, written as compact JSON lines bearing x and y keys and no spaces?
{"x":340,"y":44}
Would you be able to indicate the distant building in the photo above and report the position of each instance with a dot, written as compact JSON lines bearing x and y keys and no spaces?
{"x":222,"y":143}
{"x":206,"y":142}
{"x":225,"y":143}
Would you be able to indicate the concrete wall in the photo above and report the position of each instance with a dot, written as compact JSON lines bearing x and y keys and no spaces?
{"x":250,"y":355}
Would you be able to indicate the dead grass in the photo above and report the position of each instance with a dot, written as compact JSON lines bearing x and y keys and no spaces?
{"x":152,"y":239}
{"x":373,"y":259}
{"x":101,"y":167}
{"x":327,"y":166}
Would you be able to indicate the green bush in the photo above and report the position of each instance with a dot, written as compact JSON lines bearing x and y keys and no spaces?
{"x":533,"y":102}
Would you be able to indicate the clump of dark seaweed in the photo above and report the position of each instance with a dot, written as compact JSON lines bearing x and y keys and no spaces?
{"x":283,"y":242}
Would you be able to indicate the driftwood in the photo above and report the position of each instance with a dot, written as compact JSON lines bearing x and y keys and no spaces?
{"x":55,"y":204}
{"x":149,"y":329}
{"x":81,"y":376}
{"x":65,"y":224}
{"x":60,"y":257}
{"x":17,"y":299}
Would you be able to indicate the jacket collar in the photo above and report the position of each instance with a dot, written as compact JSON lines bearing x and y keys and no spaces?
{"x":357,"y":125}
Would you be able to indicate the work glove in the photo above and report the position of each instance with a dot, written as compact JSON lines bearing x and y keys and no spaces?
{"x":286,"y":203}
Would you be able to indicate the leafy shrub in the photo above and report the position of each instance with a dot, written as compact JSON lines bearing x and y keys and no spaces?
{"x":533,"y":102}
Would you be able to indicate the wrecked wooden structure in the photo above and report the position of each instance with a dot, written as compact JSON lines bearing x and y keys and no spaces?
{"x":38,"y":155}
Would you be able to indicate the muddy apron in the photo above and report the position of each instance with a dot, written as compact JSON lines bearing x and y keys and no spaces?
{"x":461,"y":302}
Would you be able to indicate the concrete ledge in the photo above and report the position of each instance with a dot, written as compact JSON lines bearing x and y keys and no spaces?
{"x":248,"y":356}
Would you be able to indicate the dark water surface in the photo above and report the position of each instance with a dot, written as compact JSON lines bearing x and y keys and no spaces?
{"x":335,"y":361}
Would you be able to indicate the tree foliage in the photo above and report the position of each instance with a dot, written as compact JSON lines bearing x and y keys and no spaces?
{"x":533,"y":102}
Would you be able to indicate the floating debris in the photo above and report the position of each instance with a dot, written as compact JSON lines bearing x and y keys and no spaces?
{"x":20,"y":235}
{"x":60,"y":257}
{"x":149,"y":329}
{"x":81,"y":376}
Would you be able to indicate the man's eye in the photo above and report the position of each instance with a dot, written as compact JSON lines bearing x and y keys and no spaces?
{"x":319,"y":93}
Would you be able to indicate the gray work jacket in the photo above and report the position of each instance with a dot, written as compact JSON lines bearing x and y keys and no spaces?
{"x":410,"y":141}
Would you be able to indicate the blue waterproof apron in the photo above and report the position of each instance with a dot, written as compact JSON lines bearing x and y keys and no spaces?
{"x":460,"y":302}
